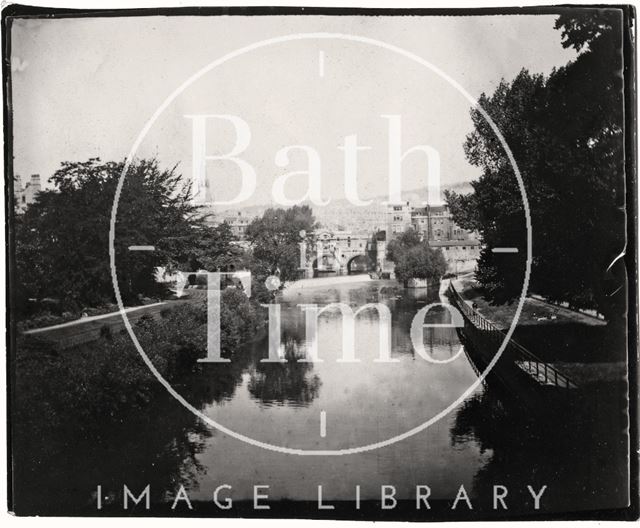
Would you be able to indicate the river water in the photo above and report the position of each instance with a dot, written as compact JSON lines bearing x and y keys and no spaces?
{"x":479,"y":443}
{"x":364,"y":403}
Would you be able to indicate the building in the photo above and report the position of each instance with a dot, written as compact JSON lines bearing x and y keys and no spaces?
{"x":344,"y":252}
{"x":238,"y":224}
{"x":25,"y":195}
{"x":398,"y":219}
{"x":461,"y":255}
{"x":461,"y":248}
{"x":237,"y":221}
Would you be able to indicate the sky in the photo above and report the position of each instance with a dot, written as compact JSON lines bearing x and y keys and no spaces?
{"x":86,"y":87}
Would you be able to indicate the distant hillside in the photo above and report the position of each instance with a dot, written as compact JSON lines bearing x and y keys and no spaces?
{"x":421,"y":195}
{"x":414,"y":195}
{"x":463,"y":187}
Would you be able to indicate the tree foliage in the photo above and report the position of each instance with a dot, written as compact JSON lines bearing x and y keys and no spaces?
{"x":62,"y":239}
{"x":420,"y":262}
{"x":275,"y":242}
{"x":212,"y":248}
{"x":565,"y":133}
{"x":397,"y":247}
{"x":414,"y":259}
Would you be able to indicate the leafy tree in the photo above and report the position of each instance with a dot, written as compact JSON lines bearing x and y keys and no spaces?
{"x":565,"y":132}
{"x":275,"y":243}
{"x":414,"y":259}
{"x":583,"y":29}
{"x":210,"y":248}
{"x":62,"y":239}
{"x":420,"y":262}
{"x":281,"y":383}
{"x":403,"y":242}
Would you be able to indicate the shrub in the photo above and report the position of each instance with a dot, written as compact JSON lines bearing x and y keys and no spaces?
{"x":420,"y":262}
{"x":103,"y":379}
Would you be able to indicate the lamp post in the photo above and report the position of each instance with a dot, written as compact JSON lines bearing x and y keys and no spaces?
{"x":303,"y":251}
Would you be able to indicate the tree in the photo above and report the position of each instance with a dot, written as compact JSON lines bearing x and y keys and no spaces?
{"x":565,"y":132}
{"x":400,"y":245}
{"x":209,"y":247}
{"x":275,"y":242}
{"x":62,"y":239}
{"x":414,"y":259}
{"x":420,"y":262}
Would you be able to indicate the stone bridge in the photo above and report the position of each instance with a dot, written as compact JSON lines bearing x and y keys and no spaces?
{"x":342,"y":252}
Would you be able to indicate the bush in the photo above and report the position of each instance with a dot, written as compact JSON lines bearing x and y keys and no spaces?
{"x":102,"y":380}
{"x":420,"y":262}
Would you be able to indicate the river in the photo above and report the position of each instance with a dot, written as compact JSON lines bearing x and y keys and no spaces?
{"x":332,"y":405}
{"x":364,"y":403}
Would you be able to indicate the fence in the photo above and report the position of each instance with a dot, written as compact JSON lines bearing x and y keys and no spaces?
{"x":492,"y":336}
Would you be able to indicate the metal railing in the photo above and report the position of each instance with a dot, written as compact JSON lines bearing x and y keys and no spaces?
{"x":541,"y":371}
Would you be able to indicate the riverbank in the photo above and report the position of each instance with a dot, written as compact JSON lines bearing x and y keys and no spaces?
{"x":127,"y":429}
{"x":88,"y":329}
{"x":98,"y":392}
{"x":584,"y":347}
{"x":535,"y":311}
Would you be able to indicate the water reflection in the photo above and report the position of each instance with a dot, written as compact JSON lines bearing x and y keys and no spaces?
{"x":292,"y":383}
{"x":580,"y":459}
{"x":280,"y":403}
{"x":57,"y":469}
{"x":365,"y":402}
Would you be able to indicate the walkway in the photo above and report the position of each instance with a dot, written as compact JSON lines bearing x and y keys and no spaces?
{"x":88,"y":329}
{"x":534,"y":311}
{"x":487,"y":339}
{"x":545,"y":321}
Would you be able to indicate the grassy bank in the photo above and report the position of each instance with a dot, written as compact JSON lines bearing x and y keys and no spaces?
{"x":88,"y":385}
{"x":553,"y":333}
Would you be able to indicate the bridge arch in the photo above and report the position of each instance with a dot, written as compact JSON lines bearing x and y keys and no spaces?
{"x":361,"y":263}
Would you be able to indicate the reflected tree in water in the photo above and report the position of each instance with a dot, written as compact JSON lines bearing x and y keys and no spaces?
{"x":157,"y":446}
{"x":284,"y":383}
{"x":579,"y":469}
{"x":217,"y":382}
{"x":59,"y":460}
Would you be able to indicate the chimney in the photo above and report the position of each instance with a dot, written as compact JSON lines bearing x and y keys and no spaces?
{"x":35,"y":181}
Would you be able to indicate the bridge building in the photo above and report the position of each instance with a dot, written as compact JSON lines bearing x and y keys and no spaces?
{"x":345,"y":252}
